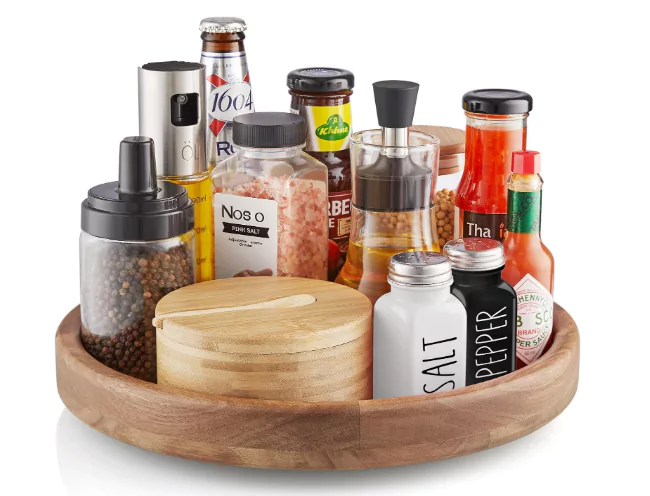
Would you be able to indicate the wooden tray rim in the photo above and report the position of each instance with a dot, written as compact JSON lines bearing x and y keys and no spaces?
{"x":561,"y":358}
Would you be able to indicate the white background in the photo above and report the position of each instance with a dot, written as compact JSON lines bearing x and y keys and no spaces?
{"x":69,"y":95}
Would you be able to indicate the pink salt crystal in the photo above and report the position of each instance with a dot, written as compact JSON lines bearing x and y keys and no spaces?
{"x":302,"y":222}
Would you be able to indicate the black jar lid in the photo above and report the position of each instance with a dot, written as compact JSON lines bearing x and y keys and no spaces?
{"x":320,"y":80}
{"x":136,"y":208}
{"x":497,"y":102}
{"x":269,"y":130}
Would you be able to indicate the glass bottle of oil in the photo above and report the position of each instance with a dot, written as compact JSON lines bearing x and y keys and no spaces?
{"x":393,"y":180}
{"x":199,"y":189}
{"x":172,"y":112}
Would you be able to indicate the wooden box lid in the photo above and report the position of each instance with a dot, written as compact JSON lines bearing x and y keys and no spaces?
{"x":264,"y":315}
{"x":452,"y":140}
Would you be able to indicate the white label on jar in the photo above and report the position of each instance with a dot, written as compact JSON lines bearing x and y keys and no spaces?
{"x":534,"y":318}
{"x":245,"y":236}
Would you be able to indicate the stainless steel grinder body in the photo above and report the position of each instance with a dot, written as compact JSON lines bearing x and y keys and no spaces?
{"x":172,"y":112}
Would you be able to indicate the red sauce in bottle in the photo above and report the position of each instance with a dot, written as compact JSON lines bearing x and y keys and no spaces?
{"x":529,"y":263}
{"x":496,"y":127}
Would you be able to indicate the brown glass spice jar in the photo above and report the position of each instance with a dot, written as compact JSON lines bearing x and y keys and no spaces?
{"x":322,"y":96}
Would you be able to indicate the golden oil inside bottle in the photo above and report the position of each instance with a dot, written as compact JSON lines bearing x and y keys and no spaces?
{"x":377,"y":236}
{"x":199,"y":188}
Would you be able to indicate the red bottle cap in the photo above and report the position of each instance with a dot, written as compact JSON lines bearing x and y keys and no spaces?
{"x":526,"y":162}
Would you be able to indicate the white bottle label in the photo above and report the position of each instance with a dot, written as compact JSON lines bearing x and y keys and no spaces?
{"x":245,"y":236}
{"x":534,"y":318}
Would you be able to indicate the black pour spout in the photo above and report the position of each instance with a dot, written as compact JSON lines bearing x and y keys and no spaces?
{"x":137,"y":166}
{"x":395,"y":102}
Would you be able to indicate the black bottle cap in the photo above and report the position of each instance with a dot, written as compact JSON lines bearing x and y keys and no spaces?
{"x":269,"y":130}
{"x":320,"y":80}
{"x":497,"y":102}
{"x":135,"y":208}
{"x":395,"y":102}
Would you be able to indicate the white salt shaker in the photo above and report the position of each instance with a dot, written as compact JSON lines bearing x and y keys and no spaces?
{"x":420,"y":329}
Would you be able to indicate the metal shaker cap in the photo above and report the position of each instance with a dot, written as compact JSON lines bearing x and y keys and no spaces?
{"x":475,"y":254}
{"x":419,"y":268}
{"x":222,"y":25}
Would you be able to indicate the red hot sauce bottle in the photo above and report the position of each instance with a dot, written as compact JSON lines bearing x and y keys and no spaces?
{"x":322,"y":96}
{"x":529,"y":264}
{"x":496,"y":127}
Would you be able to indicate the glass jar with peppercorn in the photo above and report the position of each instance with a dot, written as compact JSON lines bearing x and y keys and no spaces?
{"x":136,"y":246}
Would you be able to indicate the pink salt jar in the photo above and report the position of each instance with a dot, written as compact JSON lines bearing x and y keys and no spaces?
{"x":270,"y":202}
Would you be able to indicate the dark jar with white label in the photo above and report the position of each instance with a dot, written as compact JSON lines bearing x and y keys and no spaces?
{"x":491,"y":306}
{"x":270,"y":202}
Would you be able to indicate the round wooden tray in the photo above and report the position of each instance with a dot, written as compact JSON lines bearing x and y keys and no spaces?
{"x":326,"y":436}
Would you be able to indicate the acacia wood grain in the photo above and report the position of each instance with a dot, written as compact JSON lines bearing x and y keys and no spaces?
{"x":338,"y":315}
{"x":321,"y":435}
{"x":277,"y":338}
{"x":452,"y":140}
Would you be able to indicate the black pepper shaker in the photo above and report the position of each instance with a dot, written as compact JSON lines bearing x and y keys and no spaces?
{"x":491,"y":305}
{"x":136,"y":246}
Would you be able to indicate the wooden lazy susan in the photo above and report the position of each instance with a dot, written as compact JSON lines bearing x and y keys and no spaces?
{"x":334,"y":435}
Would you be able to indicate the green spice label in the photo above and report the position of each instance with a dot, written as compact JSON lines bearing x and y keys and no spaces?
{"x":334,"y":129}
{"x":524,"y":211}
{"x":328,"y":127}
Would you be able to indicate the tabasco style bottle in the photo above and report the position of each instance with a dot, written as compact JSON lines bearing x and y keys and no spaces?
{"x":529,"y":264}
{"x":496,"y":127}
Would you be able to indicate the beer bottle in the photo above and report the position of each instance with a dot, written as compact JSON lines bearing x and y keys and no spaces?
{"x":227,"y":83}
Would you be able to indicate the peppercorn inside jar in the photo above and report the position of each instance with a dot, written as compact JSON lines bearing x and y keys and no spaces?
{"x":136,"y":246}
{"x":270,"y":202}
{"x":452,"y":160}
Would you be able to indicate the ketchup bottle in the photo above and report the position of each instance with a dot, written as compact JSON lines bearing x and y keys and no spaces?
{"x":496,"y":127}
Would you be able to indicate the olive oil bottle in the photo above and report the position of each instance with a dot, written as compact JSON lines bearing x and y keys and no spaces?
{"x":199,"y":189}
{"x":393,"y":177}
{"x":172,"y":112}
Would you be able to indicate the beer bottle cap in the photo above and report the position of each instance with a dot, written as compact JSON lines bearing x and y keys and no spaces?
{"x":222,"y":25}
